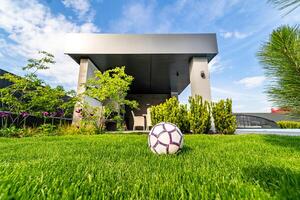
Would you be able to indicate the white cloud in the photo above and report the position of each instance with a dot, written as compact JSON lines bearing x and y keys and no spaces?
{"x":81,"y":7}
{"x":243,"y":101}
{"x":252,"y":82}
{"x":146,"y":16}
{"x":32,"y":27}
{"x":235,"y":34}
{"x":215,"y":65}
{"x":136,"y":17}
{"x":216,"y":8}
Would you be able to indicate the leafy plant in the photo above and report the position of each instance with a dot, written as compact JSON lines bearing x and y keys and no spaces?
{"x":171,"y":111}
{"x":286,"y":4}
{"x":156,"y":113}
{"x":47,"y":129}
{"x":281,"y":61}
{"x":110,"y":89}
{"x":30,"y":132}
{"x":31,"y":95}
{"x":184,"y":122}
{"x":11,"y":132}
{"x":74,"y":130}
{"x":67,"y":130}
{"x":224,"y":120}
{"x":199,"y":115}
{"x":288,"y":124}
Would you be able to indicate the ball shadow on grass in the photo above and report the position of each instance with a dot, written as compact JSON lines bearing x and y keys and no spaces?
{"x":279,"y":182}
{"x":185,"y":149}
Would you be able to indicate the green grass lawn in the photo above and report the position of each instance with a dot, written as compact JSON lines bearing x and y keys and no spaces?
{"x":121,"y":166}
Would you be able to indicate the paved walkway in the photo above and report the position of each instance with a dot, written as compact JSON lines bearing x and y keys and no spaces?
{"x":287,"y":132}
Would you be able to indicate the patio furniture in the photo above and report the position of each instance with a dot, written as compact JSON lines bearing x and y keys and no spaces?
{"x":148,"y":120}
{"x":110,"y":125}
{"x":138,"y":121}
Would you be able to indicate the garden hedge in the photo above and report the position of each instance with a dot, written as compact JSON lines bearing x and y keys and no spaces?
{"x":199,"y":115}
{"x":224,"y":120}
{"x":288,"y":124}
{"x":197,"y":118}
{"x":171,"y":111}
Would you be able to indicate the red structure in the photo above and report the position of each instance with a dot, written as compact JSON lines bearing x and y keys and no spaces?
{"x":280,"y":110}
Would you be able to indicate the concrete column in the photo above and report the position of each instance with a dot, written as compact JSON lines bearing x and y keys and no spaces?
{"x":86,"y":71}
{"x":199,"y":78}
{"x":174,"y":94}
{"x":200,"y":81}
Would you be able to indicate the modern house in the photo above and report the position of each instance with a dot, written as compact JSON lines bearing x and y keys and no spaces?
{"x":162,"y":65}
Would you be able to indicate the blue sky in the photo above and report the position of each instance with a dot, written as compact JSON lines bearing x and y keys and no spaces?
{"x":241,"y":26}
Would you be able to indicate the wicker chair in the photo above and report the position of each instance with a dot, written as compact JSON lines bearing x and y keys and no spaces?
{"x":138,"y":121}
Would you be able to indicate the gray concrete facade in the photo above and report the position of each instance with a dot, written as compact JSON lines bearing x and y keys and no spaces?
{"x":162,"y":65}
{"x":105,"y":44}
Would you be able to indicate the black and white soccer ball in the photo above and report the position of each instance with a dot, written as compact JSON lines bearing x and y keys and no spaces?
{"x":165,"y":138}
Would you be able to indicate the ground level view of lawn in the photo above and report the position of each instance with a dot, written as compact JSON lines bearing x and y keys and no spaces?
{"x":119,"y":166}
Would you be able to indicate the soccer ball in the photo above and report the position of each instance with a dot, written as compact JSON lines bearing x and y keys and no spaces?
{"x":165,"y":138}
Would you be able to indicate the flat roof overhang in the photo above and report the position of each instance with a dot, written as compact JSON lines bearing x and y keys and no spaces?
{"x":158,"y":62}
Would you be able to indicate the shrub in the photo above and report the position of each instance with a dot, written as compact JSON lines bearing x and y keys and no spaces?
{"x":47,"y":129}
{"x":84,"y":129}
{"x":88,"y":129}
{"x":199,"y":115}
{"x":68,"y":130}
{"x":19,"y":132}
{"x":288,"y":124}
{"x":30,"y":132}
{"x":156,"y":114}
{"x":11,"y":132}
{"x":224,"y":120}
{"x":183,"y":121}
{"x":171,"y":111}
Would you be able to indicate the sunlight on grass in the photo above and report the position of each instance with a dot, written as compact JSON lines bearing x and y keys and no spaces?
{"x":122,"y":166}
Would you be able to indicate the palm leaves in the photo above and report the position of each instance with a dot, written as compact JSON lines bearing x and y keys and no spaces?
{"x":280,"y":57}
{"x":286,"y":4}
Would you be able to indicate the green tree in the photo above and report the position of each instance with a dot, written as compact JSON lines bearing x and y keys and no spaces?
{"x":286,"y":4}
{"x":280,"y":57}
{"x":110,"y":89}
{"x":31,"y":95}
